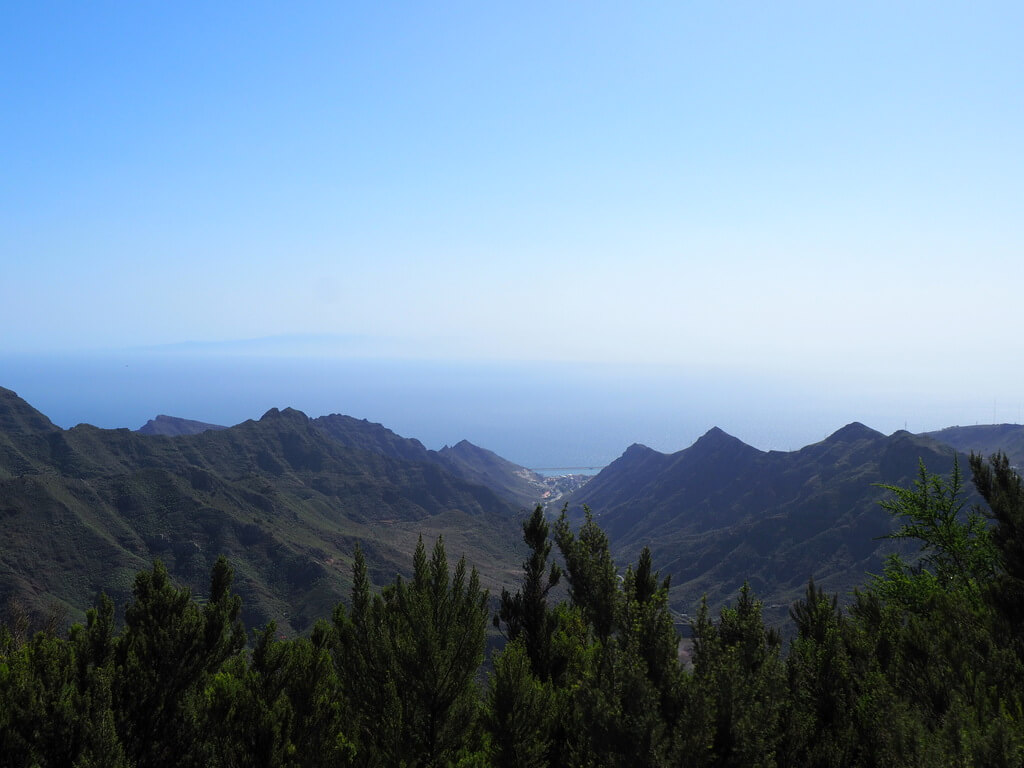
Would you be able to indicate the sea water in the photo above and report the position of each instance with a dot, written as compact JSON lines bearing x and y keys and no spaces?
{"x":552,"y":416}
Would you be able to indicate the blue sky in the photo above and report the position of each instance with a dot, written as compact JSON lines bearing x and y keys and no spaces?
{"x":830,"y":190}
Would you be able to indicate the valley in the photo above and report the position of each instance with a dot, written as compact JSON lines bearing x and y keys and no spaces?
{"x":286,"y":498}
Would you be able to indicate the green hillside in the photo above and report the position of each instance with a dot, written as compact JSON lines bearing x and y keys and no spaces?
{"x":721,"y":512}
{"x":286,"y":498}
{"x":82,"y":510}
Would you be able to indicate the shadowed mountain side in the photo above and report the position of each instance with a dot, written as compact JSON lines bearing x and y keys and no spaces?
{"x":23,"y":431}
{"x":510,"y":481}
{"x":519,"y":485}
{"x":479,"y":465}
{"x":721,"y":512}
{"x":985,"y":439}
{"x":86,"y":508}
{"x":644,"y":490}
{"x":369,"y":436}
{"x":19,"y":418}
{"x":172,"y":426}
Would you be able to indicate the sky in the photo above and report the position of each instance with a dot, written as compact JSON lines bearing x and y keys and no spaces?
{"x":828,"y":193}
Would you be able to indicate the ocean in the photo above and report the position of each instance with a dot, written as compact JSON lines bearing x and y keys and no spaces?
{"x":550,"y":416}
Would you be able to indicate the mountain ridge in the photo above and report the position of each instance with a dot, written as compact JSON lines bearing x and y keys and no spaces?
{"x":86,"y":508}
{"x":472,"y":463}
{"x":985,"y":439}
{"x":287,"y":497}
{"x":17,"y":417}
{"x":173,"y":426}
{"x":720,"y":512}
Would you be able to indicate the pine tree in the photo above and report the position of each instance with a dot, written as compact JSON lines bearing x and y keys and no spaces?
{"x":593,"y":583}
{"x":521,"y":711}
{"x":620,"y":692}
{"x":934,"y":632}
{"x":1003,"y":491}
{"x":365,"y":669}
{"x":55,"y":696}
{"x":280,"y":707}
{"x":407,"y":661}
{"x":169,"y":648}
{"x":739,"y":680}
{"x":94,"y":657}
{"x":820,"y":722}
{"x":526,"y":613}
{"x":648,"y":624}
{"x":436,"y":624}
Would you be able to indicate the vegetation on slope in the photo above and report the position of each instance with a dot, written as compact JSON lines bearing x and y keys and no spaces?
{"x":473,"y":464}
{"x":985,"y":439}
{"x":926,"y":668}
{"x":722,"y":512}
{"x":82,"y":510}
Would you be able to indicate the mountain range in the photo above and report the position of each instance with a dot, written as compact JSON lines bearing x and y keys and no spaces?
{"x":84,"y":509}
{"x":985,"y":439}
{"x":515,"y":483}
{"x":721,"y":512}
{"x":287,"y":497}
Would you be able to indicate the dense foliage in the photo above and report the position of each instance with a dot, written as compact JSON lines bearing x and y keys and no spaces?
{"x":925,"y":668}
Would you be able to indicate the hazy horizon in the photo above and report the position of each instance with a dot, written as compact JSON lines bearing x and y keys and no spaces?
{"x":773,"y":218}
{"x":538,"y":415}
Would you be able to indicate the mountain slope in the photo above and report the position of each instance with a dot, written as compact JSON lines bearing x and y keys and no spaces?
{"x":721,"y":512}
{"x":985,"y":439}
{"x":82,"y":510}
{"x":18,"y":418}
{"x":23,"y":430}
{"x":369,"y":436}
{"x":508,"y":480}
